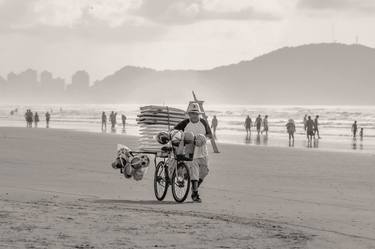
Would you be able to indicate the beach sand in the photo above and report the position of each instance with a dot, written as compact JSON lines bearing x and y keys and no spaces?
{"x":58,"y":190}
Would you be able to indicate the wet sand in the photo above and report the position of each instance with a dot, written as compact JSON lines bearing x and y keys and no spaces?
{"x":57,"y":190}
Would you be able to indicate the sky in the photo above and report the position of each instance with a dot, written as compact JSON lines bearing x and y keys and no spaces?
{"x":102,"y":36}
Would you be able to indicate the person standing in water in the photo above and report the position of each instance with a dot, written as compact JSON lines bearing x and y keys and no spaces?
{"x":265,"y":125}
{"x":214,"y":124}
{"x":36,"y":119}
{"x":354,"y":129}
{"x":112,"y":118}
{"x":316,"y":126}
{"x":361,"y":133}
{"x":104,"y":121}
{"x":291,"y":129}
{"x":48,"y":117}
{"x":258,"y":123}
{"x":248,"y":124}
{"x":310,"y":128}
{"x":123,"y":118}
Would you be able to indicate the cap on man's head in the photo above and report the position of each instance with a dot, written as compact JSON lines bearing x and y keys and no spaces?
{"x":194,"y":108}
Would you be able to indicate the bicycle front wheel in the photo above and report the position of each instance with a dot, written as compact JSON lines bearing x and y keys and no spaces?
{"x":180,"y":182}
{"x":160,"y":181}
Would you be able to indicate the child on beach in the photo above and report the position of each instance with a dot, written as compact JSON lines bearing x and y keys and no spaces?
{"x":361,"y":133}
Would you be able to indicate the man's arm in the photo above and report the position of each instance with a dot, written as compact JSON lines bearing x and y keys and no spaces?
{"x":181,"y":126}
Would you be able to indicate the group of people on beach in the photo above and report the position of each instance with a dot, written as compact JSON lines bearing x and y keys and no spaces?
{"x":113,"y":120}
{"x":258,"y":123}
{"x":31,"y":118}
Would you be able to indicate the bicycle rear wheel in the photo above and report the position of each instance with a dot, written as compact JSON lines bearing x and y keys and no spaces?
{"x":180,"y":182}
{"x":160,"y":181}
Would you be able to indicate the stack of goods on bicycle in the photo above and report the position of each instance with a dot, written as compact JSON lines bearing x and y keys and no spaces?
{"x":154,"y":119}
{"x":131,"y":165}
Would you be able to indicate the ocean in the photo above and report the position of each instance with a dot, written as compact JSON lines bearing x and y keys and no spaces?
{"x":335,"y":123}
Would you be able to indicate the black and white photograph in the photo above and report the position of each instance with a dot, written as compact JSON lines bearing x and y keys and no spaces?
{"x":189,"y":124}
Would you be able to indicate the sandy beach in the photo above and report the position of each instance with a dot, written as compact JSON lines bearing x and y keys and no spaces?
{"x":58,"y":190}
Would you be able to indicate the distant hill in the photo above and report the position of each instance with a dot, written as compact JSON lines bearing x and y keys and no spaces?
{"x":317,"y":74}
{"x":309,"y":74}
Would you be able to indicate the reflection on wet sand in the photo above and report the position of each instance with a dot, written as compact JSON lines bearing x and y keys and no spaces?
{"x":356,"y":144}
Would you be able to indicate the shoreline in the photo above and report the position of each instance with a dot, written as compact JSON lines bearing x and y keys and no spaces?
{"x":332,"y":145}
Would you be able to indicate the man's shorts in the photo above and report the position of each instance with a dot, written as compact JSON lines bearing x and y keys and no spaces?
{"x":310,"y":133}
{"x":198,"y":168}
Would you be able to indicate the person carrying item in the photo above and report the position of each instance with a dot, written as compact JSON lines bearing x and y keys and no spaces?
{"x":199,"y":166}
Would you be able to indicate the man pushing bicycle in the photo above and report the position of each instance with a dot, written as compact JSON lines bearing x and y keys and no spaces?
{"x":199,"y":166}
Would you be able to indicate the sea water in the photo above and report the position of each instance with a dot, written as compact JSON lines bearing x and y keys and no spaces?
{"x":335,"y":122}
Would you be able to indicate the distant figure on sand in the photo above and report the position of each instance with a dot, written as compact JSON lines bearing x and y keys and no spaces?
{"x":248,"y":124}
{"x":112,"y":117}
{"x":265,"y":125}
{"x":29,"y":118}
{"x":316,"y":126}
{"x":354,"y":129}
{"x":304,"y":122}
{"x":123,"y":118}
{"x":291,"y":129}
{"x":36,"y":119}
{"x":104,"y":121}
{"x":258,"y":123}
{"x":310,"y":128}
{"x":361,"y":133}
{"x":48,"y":117}
{"x":214,"y":124}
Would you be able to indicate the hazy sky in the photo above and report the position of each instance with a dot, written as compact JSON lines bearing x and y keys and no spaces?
{"x":101,"y":36}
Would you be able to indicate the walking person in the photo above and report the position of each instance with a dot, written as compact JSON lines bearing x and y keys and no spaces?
{"x":36,"y":119}
{"x":112,"y":118}
{"x":310,"y":129}
{"x":354,"y":129}
{"x":214,"y":124}
{"x":291,"y":129}
{"x":123,"y":118}
{"x":48,"y":117}
{"x":104,"y":121}
{"x":258,"y":123}
{"x":248,"y":124}
{"x":304,"y":122}
{"x":316,"y":126}
{"x":265,"y":125}
{"x":27,"y":119}
{"x":199,"y":166}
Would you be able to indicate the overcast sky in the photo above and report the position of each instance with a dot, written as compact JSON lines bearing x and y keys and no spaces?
{"x":101,"y":36}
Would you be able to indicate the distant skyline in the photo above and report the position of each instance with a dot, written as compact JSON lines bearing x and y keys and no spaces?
{"x":63,"y":36}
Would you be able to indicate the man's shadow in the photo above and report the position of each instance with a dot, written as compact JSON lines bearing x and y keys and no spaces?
{"x":140,"y":202}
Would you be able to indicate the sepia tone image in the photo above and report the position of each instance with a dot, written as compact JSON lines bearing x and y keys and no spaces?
{"x":132,"y":124}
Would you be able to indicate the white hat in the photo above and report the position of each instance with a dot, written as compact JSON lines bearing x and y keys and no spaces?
{"x":194,"y":108}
